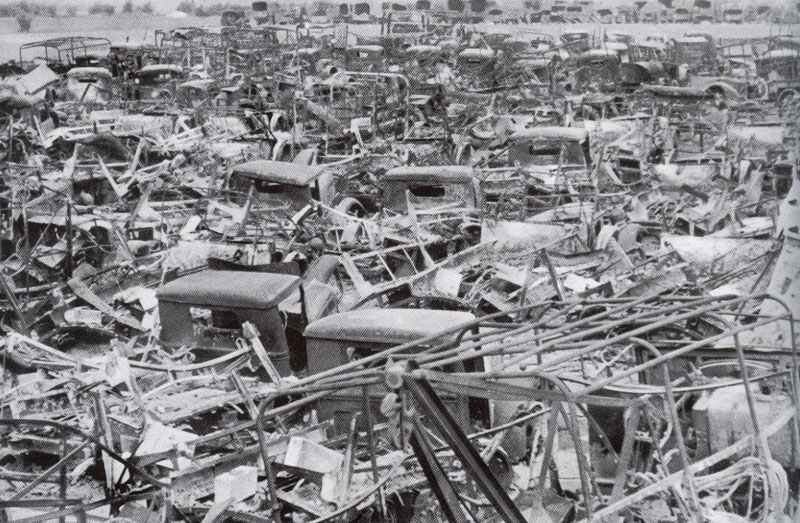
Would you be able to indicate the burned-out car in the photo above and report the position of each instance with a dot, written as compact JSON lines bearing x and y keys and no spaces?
{"x":429,"y":187}
{"x":198,"y":92}
{"x":779,"y":67}
{"x":288,"y":184}
{"x":545,"y":164}
{"x":283,"y":195}
{"x":88,"y":85}
{"x":156,"y":82}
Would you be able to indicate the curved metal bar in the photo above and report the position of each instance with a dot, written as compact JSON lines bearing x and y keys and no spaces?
{"x":405,"y":347}
{"x":654,"y":389}
{"x":676,"y":423}
{"x":761,"y":443}
{"x":795,"y":364}
{"x":624,"y":336}
{"x":661,"y":359}
{"x":595,"y":330}
{"x":583,"y":467}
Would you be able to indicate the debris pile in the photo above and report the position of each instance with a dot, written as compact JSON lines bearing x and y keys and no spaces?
{"x":279,"y":274}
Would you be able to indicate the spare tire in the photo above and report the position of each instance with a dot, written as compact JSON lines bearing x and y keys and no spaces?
{"x":787,"y":96}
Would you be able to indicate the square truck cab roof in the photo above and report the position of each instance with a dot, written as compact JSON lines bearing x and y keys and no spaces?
{"x":443,"y":173}
{"x":233,"y":298}
{"x":286,"y":173}
{"x":279,"y":183}
{"x":369,"y":332}
{"x":230,"y":289}
{"x":434,"y":183}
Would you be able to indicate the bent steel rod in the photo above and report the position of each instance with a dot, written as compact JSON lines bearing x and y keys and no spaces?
{"x":625,"y":304}
{"x":676,"y":423}
{"x":571,"y":421}
{"x":661,"y":359}
{"x":43,"y":476}
{"x":632,"y":389}
{"x":674,"y":478}
{"x":405,"y":347}
{"x":549,"y":345}
{"x":627,"y":335}
{"x":586,"y":332}
{"x":545,"y":333}
{"x":795,"y":365}
{"x":336,"y":372}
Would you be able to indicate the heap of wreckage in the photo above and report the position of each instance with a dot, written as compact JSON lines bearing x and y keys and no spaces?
{"x":262,"y":275}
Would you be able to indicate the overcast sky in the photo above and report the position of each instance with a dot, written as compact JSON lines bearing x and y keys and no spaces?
{"x":170,"y":5}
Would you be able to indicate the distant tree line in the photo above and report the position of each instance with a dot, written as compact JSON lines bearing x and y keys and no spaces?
{"x":28,"y":8}
{"x":127,"y":7}
{"x":102,"y":9}
{"x":191,"y":8}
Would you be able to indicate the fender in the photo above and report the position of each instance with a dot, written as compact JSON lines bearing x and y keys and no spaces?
{"x":786,"y":95}
{"x":281,"y":151}
{"x":726,"y":89}
{"x":463,"y":153}
{"x":349,"y":204}
{"x":278,"y":122}
{"x":761,"y":86}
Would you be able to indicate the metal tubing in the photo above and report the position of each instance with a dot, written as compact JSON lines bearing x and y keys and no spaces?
{"x":583,"y":333}
{"x":661,"y":359}
{"x":673,"y":479}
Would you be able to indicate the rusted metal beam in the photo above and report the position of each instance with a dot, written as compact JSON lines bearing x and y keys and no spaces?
{"x":426,"y":398}
{"x":449,"y":500}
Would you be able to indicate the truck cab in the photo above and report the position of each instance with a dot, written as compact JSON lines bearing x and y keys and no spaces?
{"x":441,"y":204}
{"x":157,"y":81}
{"x":553,"y":159}
{"x":89,"y":85}
{"x":205,"y":311}
{"x":429,"y":187}
{"x":551,"y":147}
{"x":285,"y":184}
{"x":335,"y":339}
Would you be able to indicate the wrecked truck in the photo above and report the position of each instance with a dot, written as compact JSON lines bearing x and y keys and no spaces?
{"x":88,"y":85}
{"x":206,"y":310}
{"x":545,"y":166}
{"x":349,"y":336}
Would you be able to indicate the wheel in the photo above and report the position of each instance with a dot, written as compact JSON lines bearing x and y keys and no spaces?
{"x":285,"y":154}
{"x":464,"y":155}
{"x":760,"y":89}
{"x":163,"y":95}
{"x":787,"y":97}
{"x":352,"y":207}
